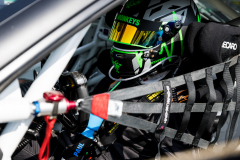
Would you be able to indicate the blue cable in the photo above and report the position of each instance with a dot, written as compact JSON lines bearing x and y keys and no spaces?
{"x":94,"y":123}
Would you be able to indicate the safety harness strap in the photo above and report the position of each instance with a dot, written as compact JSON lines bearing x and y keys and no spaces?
{"x":164,"y":119}
{"x":237,"y":109}
{"x":147,"y":108}
{"x":188,"y":107}
{"x":208,"y":109}
{"x":141,"y":124}
{"x":229,"y":83}
{"x":186,"y":138}
{"x":138,"y":91}
{"x":211,"y":106}
{"x":127,"y":120}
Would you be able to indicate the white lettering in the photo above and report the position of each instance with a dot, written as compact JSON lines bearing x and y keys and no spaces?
{"x":167,"y":104}
{"x":229,"y":45}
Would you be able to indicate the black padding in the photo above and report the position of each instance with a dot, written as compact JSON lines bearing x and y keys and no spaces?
{"x":203,"y":43}
{"x":191,"y":33}
{"x":104,"y":62}
{"x":110,"y":16}
{"x":209,"y":42}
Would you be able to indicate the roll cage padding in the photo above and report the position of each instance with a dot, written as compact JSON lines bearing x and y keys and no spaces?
{"x":206,"y":108}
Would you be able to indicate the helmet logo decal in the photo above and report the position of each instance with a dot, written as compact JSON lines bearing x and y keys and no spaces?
{"x":127,"y":19}
{"x":174,"y":16}
{"x":131,"y":3}
{"x":116,"y":65}
{"x":199,"y":18}
{"x":154,"y":62}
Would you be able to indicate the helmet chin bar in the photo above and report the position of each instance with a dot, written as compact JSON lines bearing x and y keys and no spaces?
{"x":139,"y":75}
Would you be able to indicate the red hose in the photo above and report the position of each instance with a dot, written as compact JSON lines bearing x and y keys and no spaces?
{"x":46,"y":142}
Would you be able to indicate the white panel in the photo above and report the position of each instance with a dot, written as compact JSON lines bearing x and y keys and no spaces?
{"x":14,"y":131}
{"x":15,"y":110}
{"x":12,"y":91}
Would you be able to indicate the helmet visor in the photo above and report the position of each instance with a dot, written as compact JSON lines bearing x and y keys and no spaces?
{"x":136,"y":33}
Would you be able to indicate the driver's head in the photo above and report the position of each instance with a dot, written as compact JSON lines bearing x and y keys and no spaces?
{"x":146,"y":32}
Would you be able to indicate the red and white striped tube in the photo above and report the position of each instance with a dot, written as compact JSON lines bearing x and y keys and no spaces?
{"x":103,"y":107}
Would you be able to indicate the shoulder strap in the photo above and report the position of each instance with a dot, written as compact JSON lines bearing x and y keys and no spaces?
{"x":165,"y":109}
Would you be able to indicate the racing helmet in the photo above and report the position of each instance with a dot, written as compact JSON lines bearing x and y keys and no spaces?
{"x":147,"y":32}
